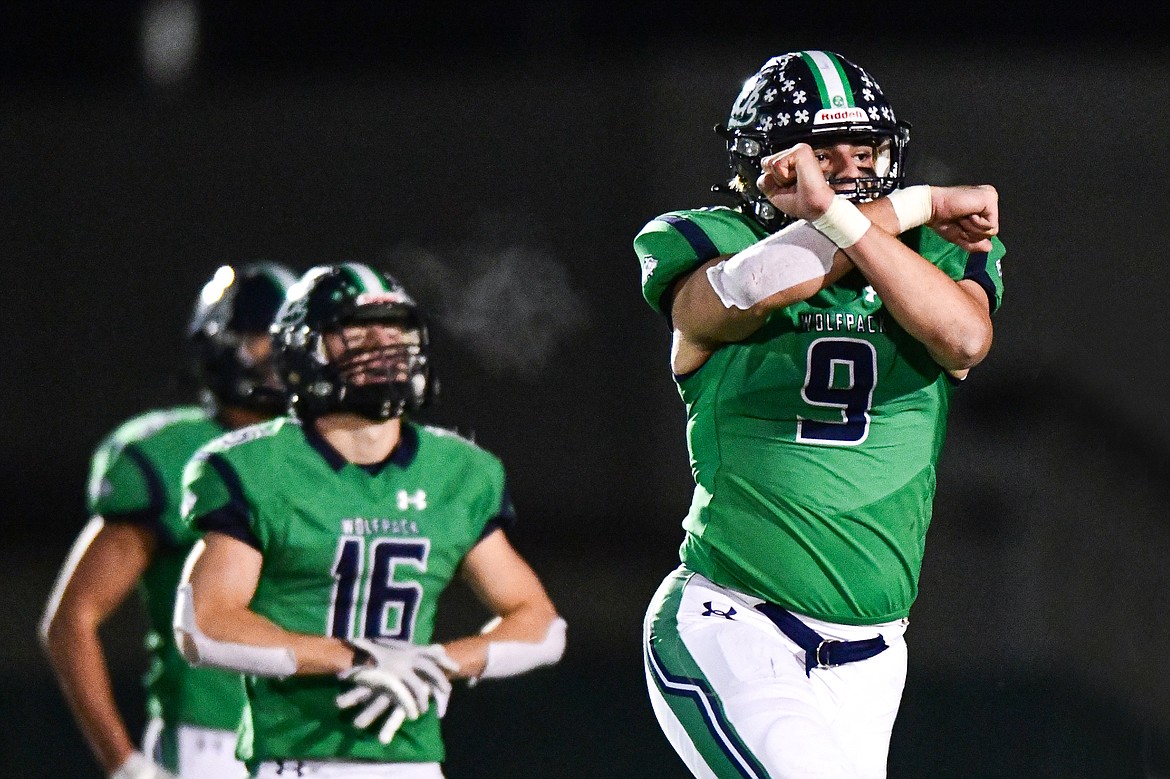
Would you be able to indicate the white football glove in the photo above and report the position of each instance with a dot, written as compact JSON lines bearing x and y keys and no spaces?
{"x":398,"y":676}
{"x":139,"y":766}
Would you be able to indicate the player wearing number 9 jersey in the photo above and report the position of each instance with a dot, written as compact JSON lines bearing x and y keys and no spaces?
{"x":330,"y":536}
{"x":817,"y":361}
{"x":831,"y":410}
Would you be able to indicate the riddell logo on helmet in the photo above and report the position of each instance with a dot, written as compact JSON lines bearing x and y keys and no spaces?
{"x":840,"y":115}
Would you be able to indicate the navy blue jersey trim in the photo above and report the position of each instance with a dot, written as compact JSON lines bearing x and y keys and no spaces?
{"x":976,"y":271}
{"x":404,"y":453}
{"x":229,"y":521}
{"x":401,"y":456}
{"x":150,"y":517}
{"x":233,"y":518}
{"x":707,"y":703}
{"x":492,"y":526}
{"x":507,"y":514}
{"x":505,"y":519}
{"x":155,"y":486}
{"x":704,"y":248}
{"x":318,"y":442}
{"x":147,"y":519}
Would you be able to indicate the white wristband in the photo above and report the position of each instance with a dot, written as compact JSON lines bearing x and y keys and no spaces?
{"x":202,"y":651}
{"x":912,"y":206}
{"x":508,"y":658}
{"x":842,"y":223}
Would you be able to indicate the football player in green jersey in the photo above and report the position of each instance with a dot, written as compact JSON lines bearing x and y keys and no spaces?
{"x":331,"y":534}
{"x":820,"y":327}
{"x":136,"y":536}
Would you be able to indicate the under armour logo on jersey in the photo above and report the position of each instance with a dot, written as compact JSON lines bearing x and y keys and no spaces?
{"x":870,"y":294}
{"x":714,"y":612}
{"x":405,"y":500}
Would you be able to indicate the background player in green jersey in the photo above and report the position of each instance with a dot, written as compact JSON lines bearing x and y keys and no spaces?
{"x":330,"y":536}
{"x":820,"y":327}
{"x":136,"y":536}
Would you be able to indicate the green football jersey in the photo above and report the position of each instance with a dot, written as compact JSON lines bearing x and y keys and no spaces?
{"x":136,"y":476}
{"x":349,"y":551}
{"x":813,"y":443}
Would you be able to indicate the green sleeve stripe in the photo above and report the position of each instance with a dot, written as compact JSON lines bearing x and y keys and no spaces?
{"x":703,"y":247}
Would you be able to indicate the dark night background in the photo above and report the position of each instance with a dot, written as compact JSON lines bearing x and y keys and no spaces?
{"x":499,"y":158}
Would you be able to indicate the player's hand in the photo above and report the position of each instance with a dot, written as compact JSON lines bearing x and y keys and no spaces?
{"x":967,"y":216}
{"x":793,"y":181}
{"x":401,"y":678}
{"x":139,"y":766}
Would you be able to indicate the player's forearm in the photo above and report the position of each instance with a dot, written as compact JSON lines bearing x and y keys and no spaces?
{"x":882,"y":214}
{"x":314,"y":655}
{"x":78,"y":660}
{"x":954,"y":326}
{"x":528,"y":624}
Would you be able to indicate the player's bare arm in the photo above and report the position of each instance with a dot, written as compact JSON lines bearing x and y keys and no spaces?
{"x":102,"y":568}
{"x":526,"y":618}
{"x":223,"y":578}
{"x":952,"y":319}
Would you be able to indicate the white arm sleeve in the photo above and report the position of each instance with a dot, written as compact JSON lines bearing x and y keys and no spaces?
{"x":509,"y":658}
{"x":201,"y":650}
{"x":784,"y":259}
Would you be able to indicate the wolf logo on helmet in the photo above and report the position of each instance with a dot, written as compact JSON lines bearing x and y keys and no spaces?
{"x":378,"y":383}
{"x":811,"y":97}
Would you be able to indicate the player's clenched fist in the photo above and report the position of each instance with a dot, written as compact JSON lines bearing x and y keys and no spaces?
{"x":795,"y":183}
{"x":967,"y":216}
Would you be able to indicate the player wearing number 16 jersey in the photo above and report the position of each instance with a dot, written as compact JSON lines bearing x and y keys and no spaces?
{"x":816,"y":355}
{"x":331,"y":535}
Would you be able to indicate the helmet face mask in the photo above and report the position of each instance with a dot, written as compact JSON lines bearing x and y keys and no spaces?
{"x":349,"y":339}
{"x":818,"y":98}
{"x":228,"y":332}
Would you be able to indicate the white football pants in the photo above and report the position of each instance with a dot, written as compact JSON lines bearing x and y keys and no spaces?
{"x":203,"y":753}
{"x":731,"y":693}
{"x":336,"y":769}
